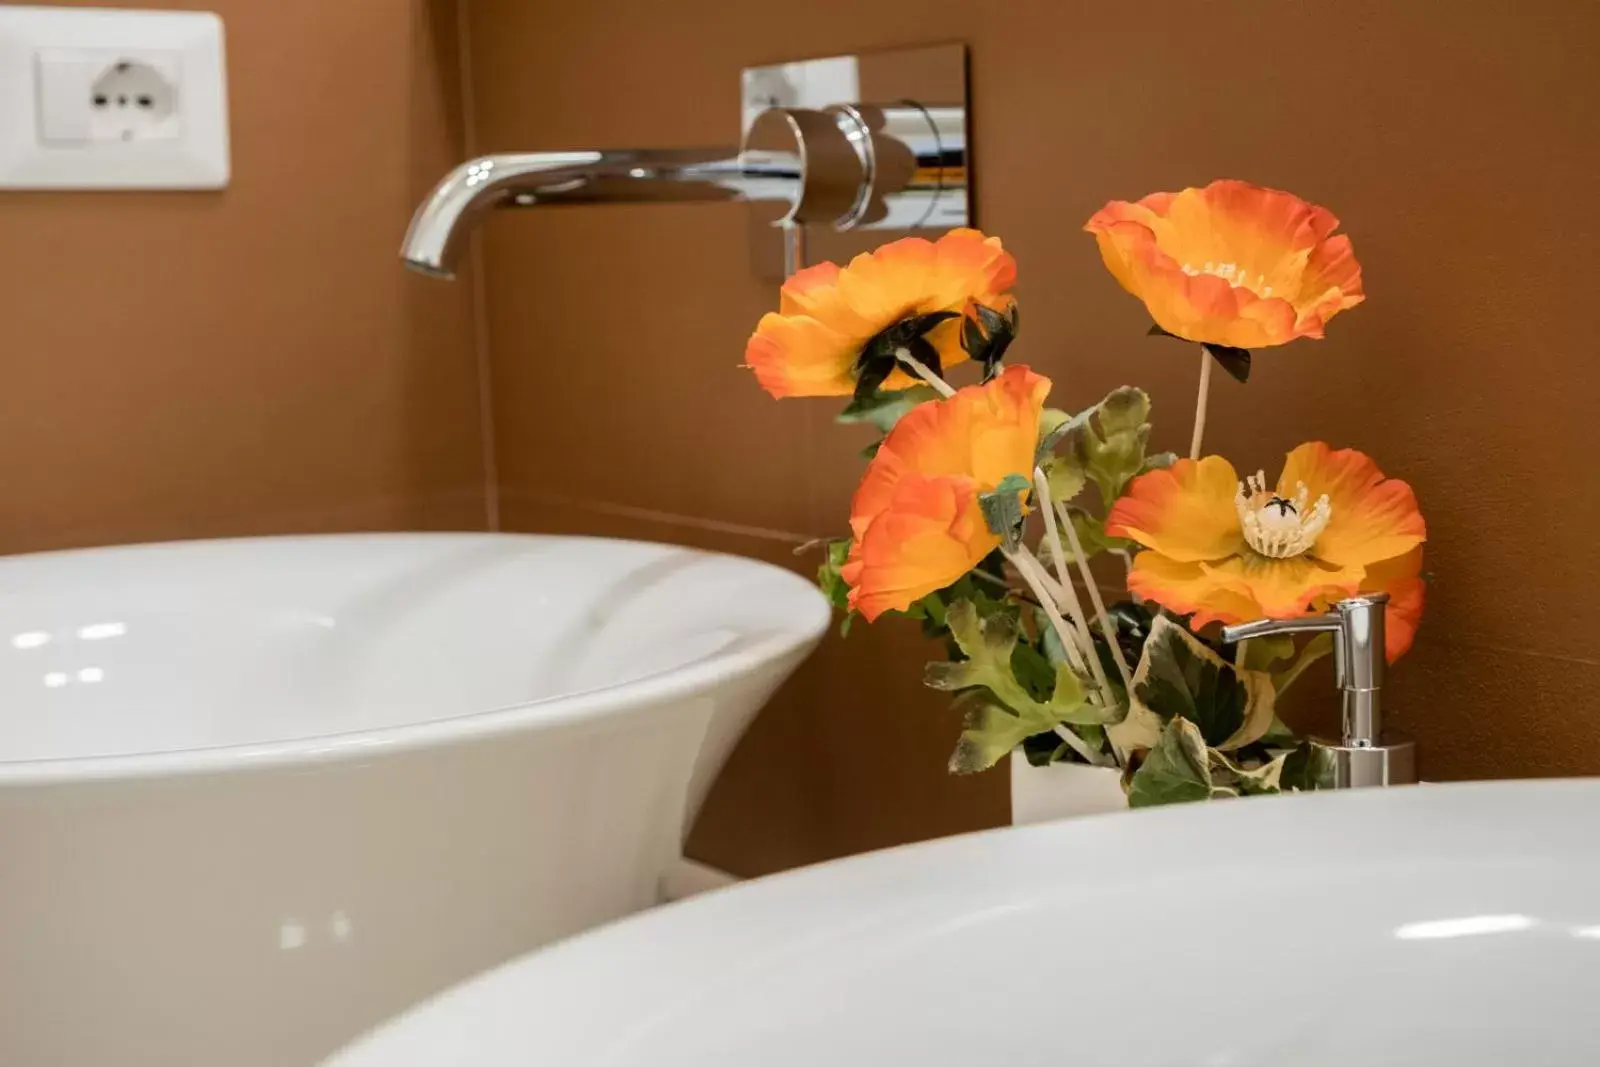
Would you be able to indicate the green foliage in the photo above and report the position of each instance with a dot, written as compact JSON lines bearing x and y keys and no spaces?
{"x":1177,"y":769}
{"x":1106,"y":446}
{"x":832,"y":583}
{"x":1260,"y":653}
{"x":1309,"y":766}
{"x":1181,"y":769}
{"x":1002,"y":507}
{"x":1201,"y":728}
{"x":1178,"y":677}
{"x":1002,"y":708}
{"x":884,"y":408}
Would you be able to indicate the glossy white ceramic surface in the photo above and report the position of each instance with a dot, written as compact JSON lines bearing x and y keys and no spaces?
{"x":1453,"y":925}
{"x":257,"y":795}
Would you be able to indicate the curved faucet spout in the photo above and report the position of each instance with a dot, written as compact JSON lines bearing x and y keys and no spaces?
{"x":440,"y":225}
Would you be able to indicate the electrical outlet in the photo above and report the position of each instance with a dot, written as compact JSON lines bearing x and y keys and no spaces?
{"x":110,"y":99}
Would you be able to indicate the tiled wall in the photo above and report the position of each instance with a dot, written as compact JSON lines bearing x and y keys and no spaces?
{"x":1455,"y":140}
{"x":252,"y":360}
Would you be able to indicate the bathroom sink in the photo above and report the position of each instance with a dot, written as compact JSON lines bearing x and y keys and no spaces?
{"x":259,"y":795}
{"x":1448,"y":925}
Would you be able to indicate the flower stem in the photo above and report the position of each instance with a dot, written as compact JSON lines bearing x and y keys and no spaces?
{"x":1107,"y":630}
{"x":1076,"y":643}
{"x":1081,"y":747}
{"x":921,"y":370}
{"x":1200,"y":404}
{"x":1067,"y":595}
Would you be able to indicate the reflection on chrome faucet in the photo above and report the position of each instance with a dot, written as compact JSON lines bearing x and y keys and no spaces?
{"x":809,"y":147}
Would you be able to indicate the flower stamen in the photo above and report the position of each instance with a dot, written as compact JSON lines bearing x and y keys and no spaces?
{"x":1280,"y":527}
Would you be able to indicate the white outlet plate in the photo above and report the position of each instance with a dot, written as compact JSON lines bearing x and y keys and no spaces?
{"x":171,"y":132}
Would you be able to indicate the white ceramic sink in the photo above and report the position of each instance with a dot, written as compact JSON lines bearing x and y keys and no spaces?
{"x":1450,"y":926}
{"x":258,"y":795}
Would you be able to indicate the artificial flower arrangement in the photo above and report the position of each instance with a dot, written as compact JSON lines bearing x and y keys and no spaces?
{"x":981,"y":508}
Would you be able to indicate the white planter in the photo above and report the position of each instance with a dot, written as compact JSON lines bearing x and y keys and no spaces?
{"x":1062,"y":790}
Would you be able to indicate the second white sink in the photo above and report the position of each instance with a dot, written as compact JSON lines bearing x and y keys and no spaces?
{"x":1453,"y":925}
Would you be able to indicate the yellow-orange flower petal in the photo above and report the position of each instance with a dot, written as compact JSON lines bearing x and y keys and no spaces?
{"x":1188,"y":589}
{"x":1374,"y":518}
{"x":984,"y":432}
{"x":1199,"y":562}
{"x":1401,"y":578}
{"x":931,"y":533}
{"x":1231,"y":264}
{"x":1184,"y":512}
{"x":1239,"y":588}
{"x":1282,"y":588}
{"x":827,"y":313}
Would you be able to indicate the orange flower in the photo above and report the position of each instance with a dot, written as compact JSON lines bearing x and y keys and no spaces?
{"x":828,"y":314}
{"x":1231,"y":264}
{"x":1230,"y":551}
{"x":916,"y":517}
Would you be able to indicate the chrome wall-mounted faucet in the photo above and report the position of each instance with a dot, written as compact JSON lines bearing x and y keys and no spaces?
{"x":1366,"y":755}
{"x":811,"y":149}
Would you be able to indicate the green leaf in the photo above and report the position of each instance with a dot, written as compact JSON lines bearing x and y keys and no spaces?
{"x":1248,"y":781}
{"x":1056,"y":427}
{"x":989,"y":731}
{"x":1033,"y":670}
{"x":829,"y":579}
{"x":1176,"y":771}
{"x":1125,"y":410}
{"x":833,"y":584}
{"x":1009,"y":712}
{"x":1179,"y":677}
{"x":1306,"y":768}
{"x":1116,"y":454}
{"x":1105,"y":444}
{"x":884,"y":408}
{"x":1092,"y":536}
{"x":1002,"y":507}
{"x":1279,"y":735}
{"x":1260,"y":653}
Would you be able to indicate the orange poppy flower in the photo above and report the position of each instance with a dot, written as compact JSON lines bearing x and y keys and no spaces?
{"x":1231,"y":264}
{"x":827,"y":314}
{"x":916,"y":517}
{"x":1230,"y":551}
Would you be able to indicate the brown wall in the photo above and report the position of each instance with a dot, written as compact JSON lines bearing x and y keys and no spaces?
{"x":252,"y":360}
{"x":1455,"y":140}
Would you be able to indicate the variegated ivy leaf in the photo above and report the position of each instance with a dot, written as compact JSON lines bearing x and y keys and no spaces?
{"x":1246,"y":781}
{"x":1004,"y":712}
{"x":1177,"y":769}
{"x":1308,"y":767}
{"x":1179,"y":677}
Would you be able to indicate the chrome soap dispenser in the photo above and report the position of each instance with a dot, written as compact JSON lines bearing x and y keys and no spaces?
{"x":1366,"y":755}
